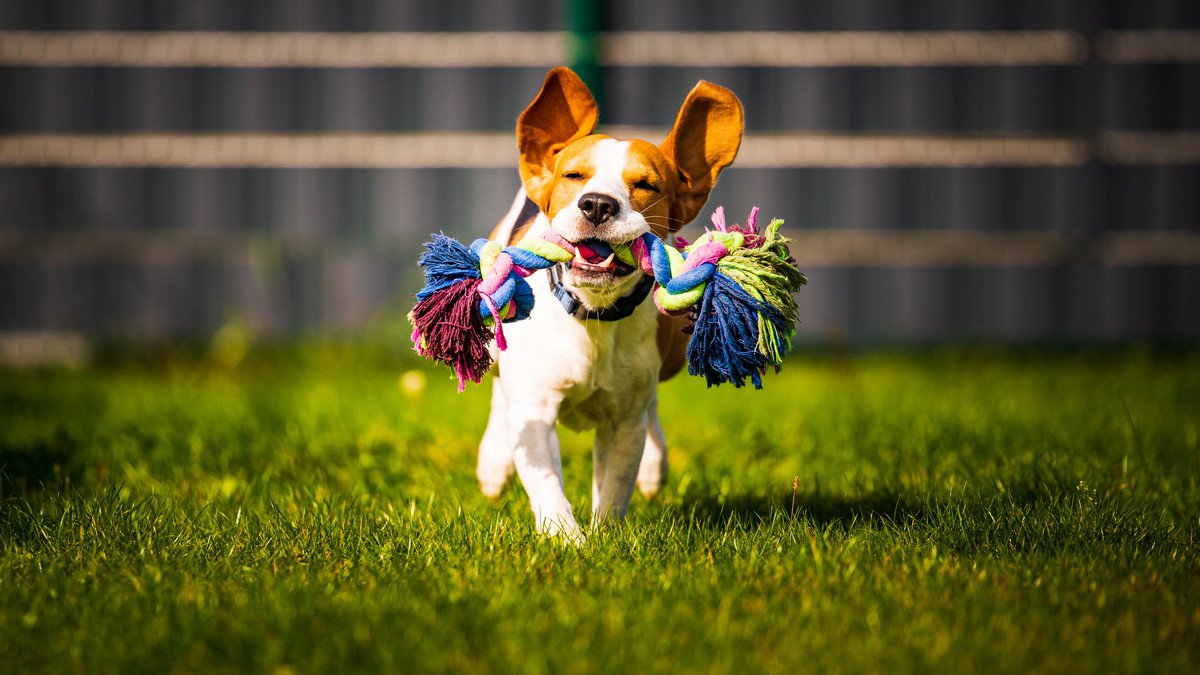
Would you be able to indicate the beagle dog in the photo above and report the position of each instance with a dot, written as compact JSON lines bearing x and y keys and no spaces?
{"x":593,"y":351}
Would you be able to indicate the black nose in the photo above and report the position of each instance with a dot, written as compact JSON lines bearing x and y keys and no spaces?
{"x":598,"y":208}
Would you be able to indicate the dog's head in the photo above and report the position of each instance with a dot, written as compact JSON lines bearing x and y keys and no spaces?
{"x":596,"y":188}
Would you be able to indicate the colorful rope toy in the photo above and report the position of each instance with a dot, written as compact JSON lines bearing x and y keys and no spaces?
{"x":737,"y":283}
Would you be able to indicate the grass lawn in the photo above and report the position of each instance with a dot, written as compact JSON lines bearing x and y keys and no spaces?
{"x":310,"y":509}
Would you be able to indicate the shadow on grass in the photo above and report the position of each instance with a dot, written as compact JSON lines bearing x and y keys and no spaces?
{"x":822,"y":509}
{"x":1040,"y":488}
{"x":1043,"y":513}
{"x":38,"y":466}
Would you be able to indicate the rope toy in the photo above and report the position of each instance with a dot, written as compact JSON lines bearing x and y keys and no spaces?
{"x":737,"y":283}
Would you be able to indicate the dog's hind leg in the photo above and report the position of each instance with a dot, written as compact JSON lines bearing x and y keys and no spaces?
{"x":621,"y":446}
{"x":598,"y":457}
{"x":495,"y":464}
{"x":652,"y":474}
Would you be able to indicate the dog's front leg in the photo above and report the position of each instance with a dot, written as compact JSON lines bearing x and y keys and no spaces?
{"x":539,"y":465}
{"x":618,"y":455}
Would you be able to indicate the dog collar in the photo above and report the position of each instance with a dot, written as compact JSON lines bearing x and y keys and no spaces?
{"x":623,"y":307}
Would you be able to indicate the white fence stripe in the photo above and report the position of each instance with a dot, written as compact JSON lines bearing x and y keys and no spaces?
{"x":776,"y":49}
{"x":540,"y":49}
{"x":662,"y":48}
{"x":263,"y":150}
{"x":882,"y":150}
{"x":1148,"y":46}
{"x":1149,"y":147}
{"x":324,"y":50}
{"x":498,"y":150}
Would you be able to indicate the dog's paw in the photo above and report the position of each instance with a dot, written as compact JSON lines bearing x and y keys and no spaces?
{"x":652,"y":475}
{"x":491,"y":489}
{"x":650,"y":487}
{"x":493,"y":476}
{"x":563,"y":529}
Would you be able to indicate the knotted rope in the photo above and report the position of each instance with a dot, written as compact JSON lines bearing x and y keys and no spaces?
{"x":736,"y":281}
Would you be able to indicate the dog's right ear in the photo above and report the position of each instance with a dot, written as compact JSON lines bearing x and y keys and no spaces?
{"x":563,"y":112}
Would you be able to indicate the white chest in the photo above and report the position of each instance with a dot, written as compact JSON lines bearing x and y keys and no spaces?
{"x":597,"y":369}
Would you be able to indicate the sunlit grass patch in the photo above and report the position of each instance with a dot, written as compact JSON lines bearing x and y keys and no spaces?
{"x":315,"y":509}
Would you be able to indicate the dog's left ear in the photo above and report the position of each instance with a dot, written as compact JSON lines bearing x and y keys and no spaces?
{"x":563,"y":112}
{"x":704,"y":140}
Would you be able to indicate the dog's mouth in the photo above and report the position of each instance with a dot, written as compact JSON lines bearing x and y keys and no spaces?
{"x":596,"y":258}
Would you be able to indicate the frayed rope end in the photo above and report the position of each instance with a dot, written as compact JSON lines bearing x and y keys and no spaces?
{"x":747,"y":317}
{"x":447,"y":328}
{"x":446,"y":324}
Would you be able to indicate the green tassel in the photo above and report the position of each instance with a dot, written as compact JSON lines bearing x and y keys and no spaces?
{"x":768,"y":273}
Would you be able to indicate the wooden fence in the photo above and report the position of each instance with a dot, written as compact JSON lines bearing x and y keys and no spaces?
{"x":949,"y":170}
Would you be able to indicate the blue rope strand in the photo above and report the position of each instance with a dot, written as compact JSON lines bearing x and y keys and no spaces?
{"x":446,"y":263}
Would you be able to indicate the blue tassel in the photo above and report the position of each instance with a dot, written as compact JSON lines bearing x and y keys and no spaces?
{"x":446,"y":263}
{"x":724,"y":340}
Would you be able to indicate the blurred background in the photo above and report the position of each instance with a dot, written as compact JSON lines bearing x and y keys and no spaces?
{"x":950,"y":170}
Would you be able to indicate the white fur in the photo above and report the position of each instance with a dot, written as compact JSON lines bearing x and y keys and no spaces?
{"x":593,"y":374}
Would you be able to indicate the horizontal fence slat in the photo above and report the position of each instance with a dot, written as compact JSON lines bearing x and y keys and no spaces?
{"x":283,"y":49}
{"x":266,"y":150}
{"x":1149,"y":147}
{"x":498,"y":150}
{"x":1160,"y":46}
{"x":833,"y":49}
{"x":545,"y":48}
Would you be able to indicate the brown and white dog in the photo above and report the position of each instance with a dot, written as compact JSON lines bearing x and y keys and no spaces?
{"x":583,"y":371}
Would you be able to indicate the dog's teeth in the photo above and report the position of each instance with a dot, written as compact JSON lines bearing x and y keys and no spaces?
{"x":579,"y":257}
{"x":607,"y":261}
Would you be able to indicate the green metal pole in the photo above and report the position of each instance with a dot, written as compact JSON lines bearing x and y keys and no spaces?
{"x":585,"y":18}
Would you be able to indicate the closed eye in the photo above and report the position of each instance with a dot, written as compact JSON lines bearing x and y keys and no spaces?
{"x":573,"y":175}
{"x":645,"y":185}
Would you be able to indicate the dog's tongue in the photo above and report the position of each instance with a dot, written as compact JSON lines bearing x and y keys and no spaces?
{"x":596,"y":255}
{"x":593,"y":252}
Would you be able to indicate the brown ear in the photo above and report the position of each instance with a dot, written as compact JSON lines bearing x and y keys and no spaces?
{"x":704,"y":140}
{"x":563,"y":111}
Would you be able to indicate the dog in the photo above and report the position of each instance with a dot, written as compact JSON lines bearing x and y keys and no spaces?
{"x":594,"y":349}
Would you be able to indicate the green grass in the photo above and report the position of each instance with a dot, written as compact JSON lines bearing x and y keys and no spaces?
{"x":956,"y":511}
